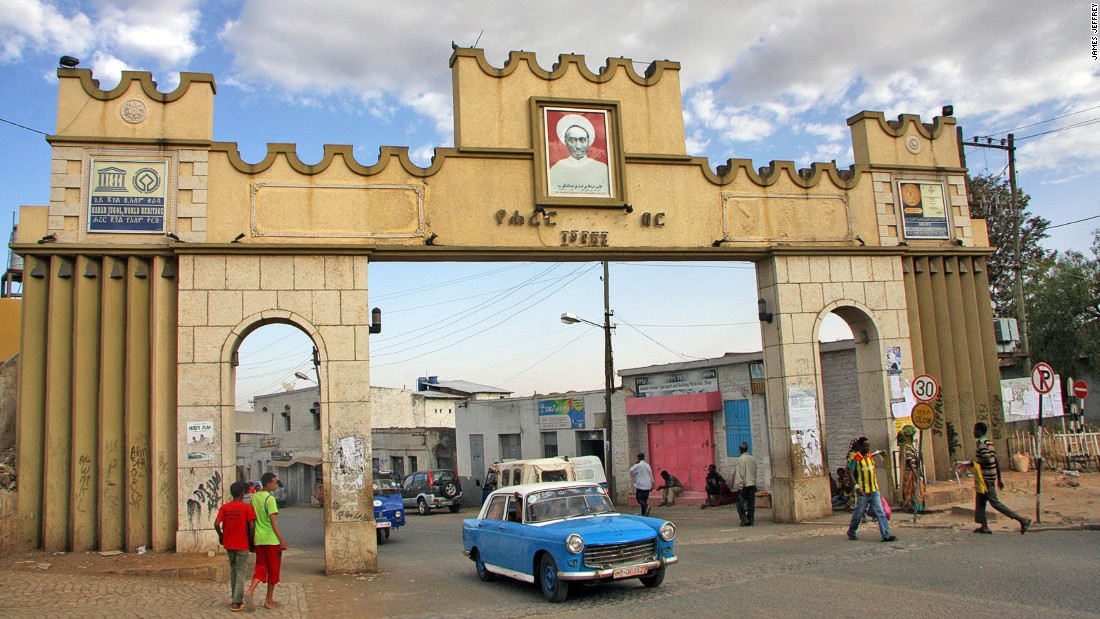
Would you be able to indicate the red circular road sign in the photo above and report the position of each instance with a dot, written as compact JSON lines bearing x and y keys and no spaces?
{"x":925,"y":388}
{"x":1042,"y":378}
{"x":1080,"y":389}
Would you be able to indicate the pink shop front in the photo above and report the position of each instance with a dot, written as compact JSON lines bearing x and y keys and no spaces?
{"x":688,"y":416}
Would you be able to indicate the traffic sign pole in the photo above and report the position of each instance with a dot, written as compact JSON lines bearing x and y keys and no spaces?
{"x":1042,"y":378}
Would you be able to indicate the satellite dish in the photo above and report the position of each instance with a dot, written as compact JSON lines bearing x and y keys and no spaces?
{"x":288,"y":386}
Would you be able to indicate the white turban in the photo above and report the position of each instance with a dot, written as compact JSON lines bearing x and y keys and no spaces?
{"x":575,"y":120}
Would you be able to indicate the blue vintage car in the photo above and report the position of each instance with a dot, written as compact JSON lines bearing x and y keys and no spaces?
{"x":389,"y":513}
{"x":557,"y":533}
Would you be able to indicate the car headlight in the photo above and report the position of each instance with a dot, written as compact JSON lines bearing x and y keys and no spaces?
{"x":377,"y":503}
{"x":397,"y":514}
{"x":574,"y":543}
{"x":668,"y":531}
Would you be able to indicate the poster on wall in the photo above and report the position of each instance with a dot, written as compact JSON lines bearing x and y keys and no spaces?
{"x":200,"y":441}
{"x":577,"y":152}
{"x":704,"y":380}
{"x":563,"y":414}
{"x":923,"y":210}
{"x":893,"y":360}
{"x":128,"y":196}
{"x":1021,"y":400}
{"x":805,"y":434}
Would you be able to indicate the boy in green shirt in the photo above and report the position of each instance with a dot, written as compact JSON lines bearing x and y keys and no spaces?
{"x":269,"y":541}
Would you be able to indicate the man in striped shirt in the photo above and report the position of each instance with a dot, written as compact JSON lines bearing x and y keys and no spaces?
{"x":862,"y":465}
{"x":986,"y":458}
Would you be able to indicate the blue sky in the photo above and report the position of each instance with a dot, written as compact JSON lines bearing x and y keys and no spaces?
{"x":761,"y":80}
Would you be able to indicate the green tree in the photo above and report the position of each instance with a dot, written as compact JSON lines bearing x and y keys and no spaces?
{"x":1064,"y":312}
{"x":990,"y":198}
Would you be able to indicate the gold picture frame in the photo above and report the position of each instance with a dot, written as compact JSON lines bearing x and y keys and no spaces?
{"x":578,"y":153}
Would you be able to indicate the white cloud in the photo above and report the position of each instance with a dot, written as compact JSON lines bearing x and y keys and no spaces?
{"x":33,"y":25}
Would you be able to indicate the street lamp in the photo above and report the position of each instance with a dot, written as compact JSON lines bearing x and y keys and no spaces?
{"x":609,"y":373}
{"x":302,"y":375}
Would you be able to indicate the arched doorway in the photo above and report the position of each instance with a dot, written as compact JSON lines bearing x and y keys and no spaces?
{"x":854,"y":401}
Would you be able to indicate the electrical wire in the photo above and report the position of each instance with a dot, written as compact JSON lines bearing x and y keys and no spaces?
{"x":547,"y":357}
{"x":1070,"y":223}
{"x":1043,"y":122}
{"x":4,"y":120}
{"x":1084,"y":123}
{"x":646,"y":336}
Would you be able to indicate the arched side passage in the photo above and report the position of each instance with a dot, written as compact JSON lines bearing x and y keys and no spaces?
{"x":222,"y":299}
{"x":871,"y":380}
{"x":799,"y":291}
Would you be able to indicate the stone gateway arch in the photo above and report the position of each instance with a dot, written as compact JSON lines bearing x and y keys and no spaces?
{"x":130,"y":335}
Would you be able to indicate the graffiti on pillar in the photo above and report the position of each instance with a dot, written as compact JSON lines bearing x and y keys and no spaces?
{"x":997,"y":422}
{"x":806,"y":454}
{"x":208,"y":495}
{"x":139,"y":459}
{"x":953,"y":444}
{"x":84,"y":481}
{"x":351,"y":465}
{"x":937,"y":423}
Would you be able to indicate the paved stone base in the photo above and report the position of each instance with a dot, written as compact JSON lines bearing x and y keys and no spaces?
{"x":32,"y":594}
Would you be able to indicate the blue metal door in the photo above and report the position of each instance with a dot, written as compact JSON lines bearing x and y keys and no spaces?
{"x":738,"y":426}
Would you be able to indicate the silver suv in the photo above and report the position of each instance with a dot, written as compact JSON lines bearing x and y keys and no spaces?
{"x":426,"y":490}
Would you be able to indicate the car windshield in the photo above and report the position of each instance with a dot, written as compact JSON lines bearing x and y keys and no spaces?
{"x":386,"y":486}
{"x":567,"y":503}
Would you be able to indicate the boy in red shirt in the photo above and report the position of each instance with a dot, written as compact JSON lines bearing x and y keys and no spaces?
{"x":234,"y":524}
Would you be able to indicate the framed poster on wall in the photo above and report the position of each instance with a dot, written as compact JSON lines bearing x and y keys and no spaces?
{"x":128,"y":196}
{"x":923,"y":210}
{"x":578,"y":153}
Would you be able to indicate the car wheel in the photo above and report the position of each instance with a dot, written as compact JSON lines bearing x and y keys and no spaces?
{"x":450,"y":490}
{"x":422,"y":507}
{"x":654,"y":579}
{"x":484,"y":574}
{"x":383,"y":536}
{"x":454,"y":508}
{"x":554,"y":588}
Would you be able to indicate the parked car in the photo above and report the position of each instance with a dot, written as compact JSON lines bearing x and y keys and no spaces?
{"x":389,"y":512}
{"x":428,"y":490}
{"x":557,"y":533}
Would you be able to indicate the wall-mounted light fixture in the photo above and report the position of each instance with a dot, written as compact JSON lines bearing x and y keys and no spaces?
{"x":431,"y":239}
{"x":237,"y":239}
{"x":376,"y":320}
{"x":959,"y":242}
{"x":69,"y":62}
{"x":763,"y":313}
{"x":903,"y":243}
{"x":859,"y":239}
{"x":49,"y":238}
{"x":172,"y":235}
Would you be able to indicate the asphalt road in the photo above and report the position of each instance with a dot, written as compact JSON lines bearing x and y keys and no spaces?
{"x":766,"y":571}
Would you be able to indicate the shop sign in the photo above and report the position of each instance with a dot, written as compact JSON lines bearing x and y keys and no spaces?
{"x":563,"y":414}
{"x":703,"y":380}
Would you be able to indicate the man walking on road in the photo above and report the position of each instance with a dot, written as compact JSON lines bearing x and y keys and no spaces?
{"x":643,"y":482}
{"x":269,"y":541}
{"x":862,"y":465}
{"x":744,"y":484}
{"x":986,"y":491}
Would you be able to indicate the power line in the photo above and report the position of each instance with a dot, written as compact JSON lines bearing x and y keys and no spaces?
{"x":1043,"y":122}
{"x":1084,"y":123}
{"x":23,"y":126}
{"x":1070,"y":223}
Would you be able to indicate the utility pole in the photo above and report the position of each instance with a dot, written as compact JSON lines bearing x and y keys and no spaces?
{"x":609,"y":379}
{"x":1009,"y":146}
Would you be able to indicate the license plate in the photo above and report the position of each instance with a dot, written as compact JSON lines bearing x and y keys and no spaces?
{"x":382,"y":524}
{"x":627,"y":572}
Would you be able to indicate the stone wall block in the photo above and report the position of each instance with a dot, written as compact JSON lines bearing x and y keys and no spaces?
{"x":209,"y":342}
{"x":812,"y":297}
{"x":339,"y":272}
{"x":326,"y":307}
{"x":875,"y":295}
{"x":346,"y":381}
{"x":242,"y":273}
{"x":198,"y":383}
{"x":256,"y":301}
{"x":276,"y":272}
{"x":225,"y":307}
{"x":798,"y":269}
{"x":309,"y":272}
{"x":354,"y":307}
{"x":193,"y":308}
{"x":185,"y":344}
{"x":210,"y":272}
{"x":861,"y":269}
{"x":819,"y":269}
{"x":339,"y":342}
{"x":298,"y":301}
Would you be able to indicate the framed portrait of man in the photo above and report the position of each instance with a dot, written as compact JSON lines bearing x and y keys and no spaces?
{"x":578,"y":153}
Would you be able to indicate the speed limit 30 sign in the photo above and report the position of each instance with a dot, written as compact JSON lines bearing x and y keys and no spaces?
{"x":925,"y":388}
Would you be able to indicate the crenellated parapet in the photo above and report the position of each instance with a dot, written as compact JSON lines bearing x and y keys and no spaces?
{"x":567,"y":63}
{"x":134,"y":110}
{"x":905,"y":141}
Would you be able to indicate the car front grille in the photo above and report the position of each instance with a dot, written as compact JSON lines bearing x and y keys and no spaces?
{"x":614,"y":555}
